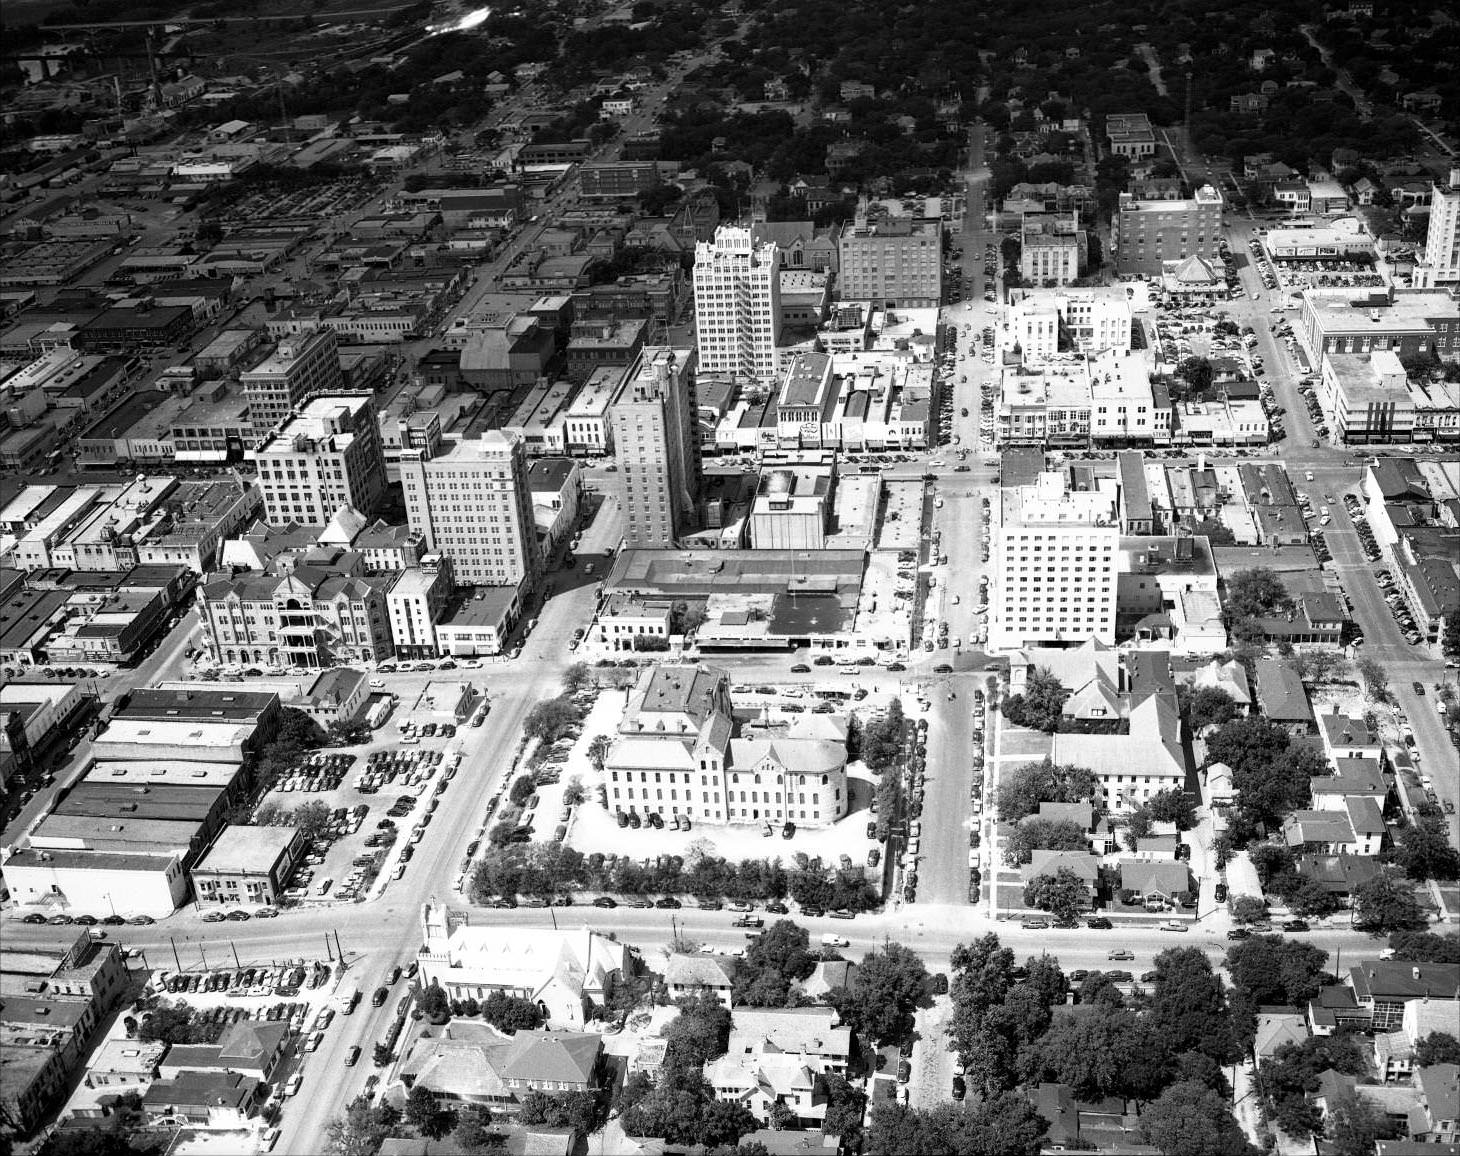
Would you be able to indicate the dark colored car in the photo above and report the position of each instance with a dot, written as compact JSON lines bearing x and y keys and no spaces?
{"x":960,"y":1089}
{"x":777,"y":909}
{"x":394,"y":975}
{"x":800,"y":668}
{"x":1220,"y":894}
{"x":812,"y":912}
{"x":605,"y":901}
{"x":788,"y":830}
{"x":1099,"y":923}
{"x":380,"y":996}
{"x":1295,"y":925}
{"x":1239,"y":934}
{"x":668,"y":903}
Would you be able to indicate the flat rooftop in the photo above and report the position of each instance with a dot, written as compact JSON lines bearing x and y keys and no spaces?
{"x":247,"y":850}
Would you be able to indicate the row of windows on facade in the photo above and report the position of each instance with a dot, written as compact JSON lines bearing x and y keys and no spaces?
{"x":713,"y":765}
{"x":628,"y":793}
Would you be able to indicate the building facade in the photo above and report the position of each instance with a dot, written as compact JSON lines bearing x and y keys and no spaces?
{"x":1149,"y":233}
{"x":1055,"y":566}
{"x":327,"y":455}
{"x":656,"y":439}
{"x":675,"y":753}
{"x":1440,"y":264}
{"x":310,"y":618}
{"x":893,"y":261}
{"x":471,"y":502}
{"x":737,"y":288}
{"x":304,"y":364}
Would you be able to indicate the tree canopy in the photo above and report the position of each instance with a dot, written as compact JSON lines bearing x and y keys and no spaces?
{"x":1023,"y":789}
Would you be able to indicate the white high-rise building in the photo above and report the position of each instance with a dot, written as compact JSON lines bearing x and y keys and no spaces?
{"x":326,"y":456}
{"x":1055,"y":565}
{"x":1441,"y":262}
{"x":656,"y":441}
{"x":737,"y":304}
{"x":471,"y":502}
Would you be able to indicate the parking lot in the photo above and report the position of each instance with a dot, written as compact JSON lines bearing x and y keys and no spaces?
{"x":375,"y":802}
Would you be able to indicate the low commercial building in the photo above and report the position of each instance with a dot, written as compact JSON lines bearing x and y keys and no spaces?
{"x":481,"y":622}
{"x":248,"y":865}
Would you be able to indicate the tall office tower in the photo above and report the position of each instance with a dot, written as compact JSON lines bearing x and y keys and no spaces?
{"x":471,"y":502}
{"x":895,"y":261}
{"x":1055,"y":580}
{"x":302,"y":365}
{"x":737,"y":304}
{"x":656,"y":440}
{"x":1149,"y":233}
{"x":326,"y":456}
{"x":1441,"y":262}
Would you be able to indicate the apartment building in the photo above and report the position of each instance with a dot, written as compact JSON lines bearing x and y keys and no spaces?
{"x":676,"y":753}
{"x":327,"y":455}
{"x":1440,"y":264}
{"x":1055,"y":564}
{"x":656,"y":439}
{"x":737,"y":287}
{"x":302,"y":365}
{"x":893,"y":261}
{"x":471,"y":502}
{"x":1146,"y":234}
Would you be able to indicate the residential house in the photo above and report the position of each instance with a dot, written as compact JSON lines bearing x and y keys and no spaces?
{"x":1277,"y":1026}
{"x":1382,"y":988}
{"x":250,"y":1048}
{"x":1155,"y":882}
{"x":781,"y":1057}
{"x":1338,"y":874}
{"x":1439,"y":1088}
{"x":470,"y":1063}
{"x":1333,"y":832}
{"x":225,"y":1101}
{"x":1282,"y":697}
{"x":1348,"y":738}
{"x":1394,"y":1051}
{"x":688,"y":974}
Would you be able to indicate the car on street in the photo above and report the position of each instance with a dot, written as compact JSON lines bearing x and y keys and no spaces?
{"x":352,"y":1057}
{"x":1295,"y":925}
{"x":1120,"y":953}
{"x":668,"y":903}
{"x":1238,"y":934}
{"x":1098,"y":923}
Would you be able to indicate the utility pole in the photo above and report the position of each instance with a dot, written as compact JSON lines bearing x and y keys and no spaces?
{"x":177,"y":959}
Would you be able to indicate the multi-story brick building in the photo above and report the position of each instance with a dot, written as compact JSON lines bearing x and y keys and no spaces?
{"x":1146,"y":234}
{"x":891,"y":260}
